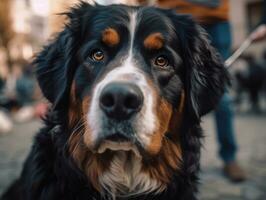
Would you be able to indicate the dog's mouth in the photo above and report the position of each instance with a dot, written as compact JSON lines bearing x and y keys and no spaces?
{"x":115,"y":146}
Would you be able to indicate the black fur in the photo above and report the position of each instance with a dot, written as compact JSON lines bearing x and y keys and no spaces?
{"x":49,"y":172}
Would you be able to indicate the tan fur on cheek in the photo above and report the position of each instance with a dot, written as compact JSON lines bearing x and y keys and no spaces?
{"x":154,"y":41}
{"x":77,"y":126}
{"x":168,"y":151}
{"x":167,"y":161}
{"x":94,"y":168}
{"x":85,"y":110}
{"x":74,"y":112}
{"x":77,"y":114}
{"x":86,"y":161}
{"x":164,"y":112}
{"x":176,"y":118}
{"x":79,"y":142}
{"x":110,"y":37}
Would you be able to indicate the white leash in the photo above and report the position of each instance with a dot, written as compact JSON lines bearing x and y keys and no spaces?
{"x":258,"y":34}
{"x":229,"y":61}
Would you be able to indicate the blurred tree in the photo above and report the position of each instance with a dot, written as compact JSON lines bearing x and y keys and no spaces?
{"x":6,"y":32}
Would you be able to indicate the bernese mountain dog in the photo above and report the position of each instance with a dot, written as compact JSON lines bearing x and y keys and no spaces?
{"x":128,"y":86}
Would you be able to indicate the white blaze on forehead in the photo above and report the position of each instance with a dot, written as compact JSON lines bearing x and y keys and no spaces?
{"x":132,"y":30}
{"x":127,"y":72}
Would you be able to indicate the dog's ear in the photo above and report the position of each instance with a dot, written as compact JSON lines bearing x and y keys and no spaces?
{"x":52,"y":68}
{"x":56,"y":63}
{"x":205,"y":75}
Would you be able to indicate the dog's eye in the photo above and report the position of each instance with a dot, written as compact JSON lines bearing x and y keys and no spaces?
{"x":161,"y":61}
{"x":97,"y":55}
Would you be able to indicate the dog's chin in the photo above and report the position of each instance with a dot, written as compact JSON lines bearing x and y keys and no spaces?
{"x":116,"y":147}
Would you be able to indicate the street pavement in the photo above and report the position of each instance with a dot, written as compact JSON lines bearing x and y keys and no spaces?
{"x":251,"y":135}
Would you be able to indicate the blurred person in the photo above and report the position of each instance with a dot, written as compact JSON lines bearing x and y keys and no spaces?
{"x":263,"y":21}
{"x":263,"y":63}
{"x":6,"y":124}
{"x":8,"y":93}
{"x":17,"y":92}
{"x":25,"y":87}
{"x":214,"y":17}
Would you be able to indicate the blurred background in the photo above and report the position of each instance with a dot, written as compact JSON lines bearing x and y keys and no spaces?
{"x":27,"y":25}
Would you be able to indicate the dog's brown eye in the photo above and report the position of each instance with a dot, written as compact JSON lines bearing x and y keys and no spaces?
{"x":97,"y":55}
{"x":161,"y":61}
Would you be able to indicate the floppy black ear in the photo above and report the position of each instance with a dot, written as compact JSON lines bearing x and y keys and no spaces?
{"x":205,"y":75}
{"x":57,"y":62}
{"x":52,"y":68}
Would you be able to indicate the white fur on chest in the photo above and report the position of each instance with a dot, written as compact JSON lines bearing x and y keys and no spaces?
{"x":125,"y":178}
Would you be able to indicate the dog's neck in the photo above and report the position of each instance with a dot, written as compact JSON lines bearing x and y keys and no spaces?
{"x":125,"y":177}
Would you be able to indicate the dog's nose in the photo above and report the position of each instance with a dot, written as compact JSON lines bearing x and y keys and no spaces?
{"x":121,"y":100}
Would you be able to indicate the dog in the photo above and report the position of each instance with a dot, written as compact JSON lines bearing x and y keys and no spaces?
{"x":128,"y":86}
{"x":250,"y":78}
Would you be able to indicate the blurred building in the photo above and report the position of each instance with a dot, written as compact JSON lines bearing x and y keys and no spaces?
{"x":245,"y":15}
{"x":55,"y":20}
{"x":34,"y":21}
{"x":29,"y":24}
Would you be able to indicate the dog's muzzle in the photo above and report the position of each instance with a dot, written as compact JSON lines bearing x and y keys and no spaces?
{"x":120,"y":101}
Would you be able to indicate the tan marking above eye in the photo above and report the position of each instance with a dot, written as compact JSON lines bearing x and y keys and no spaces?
{"x":154,"y":41}
{"x":110,"y":37}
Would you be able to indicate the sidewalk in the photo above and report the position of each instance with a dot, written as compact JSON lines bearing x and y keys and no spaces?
{"x":251,"y":133}
{"x":251,"y":136}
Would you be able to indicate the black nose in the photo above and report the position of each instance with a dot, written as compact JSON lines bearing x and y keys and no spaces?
{"x":121,"y":100}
